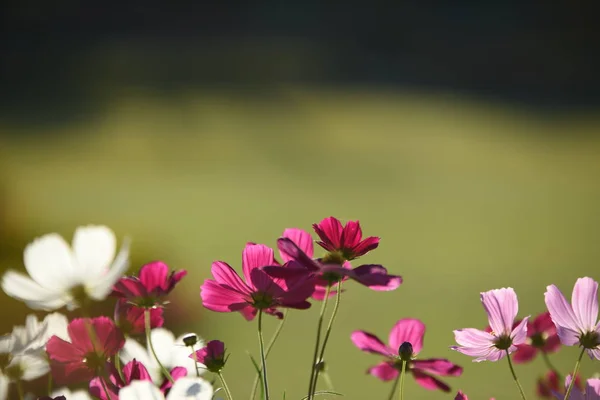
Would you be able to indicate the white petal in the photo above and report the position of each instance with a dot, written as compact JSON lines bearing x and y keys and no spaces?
{"x":32,"y":366}
{"x":141,"y":390}
{"x":133,"y":349}
{"x":57,"y":326}
{"x":76,"y":395}
{"x":101,"y":287}
{"x":164,"y":344}
{"x":22,"y":288}
{"x":7,"y":343}
{"x":188,"y":388}
{"x":94,"y":248}
{"x":49,"y":261}
{"x":3,"y":387}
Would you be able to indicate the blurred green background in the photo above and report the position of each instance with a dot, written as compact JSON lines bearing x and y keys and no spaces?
{"x":464,"y":135}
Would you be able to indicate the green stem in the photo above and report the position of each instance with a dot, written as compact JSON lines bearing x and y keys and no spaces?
{"x":317,"y":342}
{"x":512,"y":370}
{"x":149,"y":340}
{"x":402,"y":373}
{"x":118,"y":366}
{"x":263,"y":359}
{"x":104,"y":387}
{"x":195,"y":362}
{"x":328,"y":381}
{"x":338,"y":296}
{"x":574,"y":376}
{"x":394,"y":386}
{"x":49,"y":384}
{"x":225,"y":387}
{"x":550,"y":365}
{"x":20,"y":389}
{"x":269,"y":347}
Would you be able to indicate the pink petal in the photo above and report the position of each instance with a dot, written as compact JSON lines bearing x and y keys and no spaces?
{"x":351,"y":235}
{"x":375,"y":277}
{"x":474,"y":338}
{"x":542,"y":323}
{"x":552,"y":344}
{"x":176,"y":374}
{"x":289,"y":249}
{"x":63,"y":351}
{"x":502,"y":306}
{"x":594,"y":353}
{"x":330,"y":231}
{"x":154,"y":276}
{"x":592,"y":389}
{"x":248,"y":312}
{"x":585,"y":303}
{"x":302,"y":239}
{"x":429,"y":382}
{"x":407,"y":330}
{"x":78,"y":330}
{"x":110,"y":339}
{"x":561,"y":312}
{"x":226,"y":276}
{"x":438,"y":366}
{"x":384,"y":371}
{"x":370,"y":243}
{"x":129,"y":287}
{"x":135,"y":370}
{"x":220,"y":298}
{"x":97,"y":389}
{"x":524,"y":353}
{"x":519,"y":333}
{"x":263,"y":283}
{"x":370,"y":343}
{"x":461,"y":396}
{"x":256,"y":256}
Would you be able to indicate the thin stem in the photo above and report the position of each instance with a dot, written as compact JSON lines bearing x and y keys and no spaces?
{"x":574,"y":376}
{"x":49,"y":384}
{"x":269,"y":347}
{"x":512,"y":370}
{"x":118,"y":366}
{"x":104,"y":387}
{"x":263,"y":360}
{"x":20,"y":390}
{"x":550,"y":365}
{"x":394,"y":386}
{"x":149,"y":340}
{"x":402,"y":373}
{"x":225,"y":387}
{"x":195,"y":362}
{"x":336,"y":305}
{"x":317,"y":342}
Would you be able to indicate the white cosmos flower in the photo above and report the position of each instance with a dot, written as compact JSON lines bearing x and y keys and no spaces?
{"x":59,"y":275}
{"x":170,"y":351}
{"x":69,"y":395}
{"x":185,"y":388}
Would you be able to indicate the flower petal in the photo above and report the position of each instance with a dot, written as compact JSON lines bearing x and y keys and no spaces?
{"x":49,"y":261}
{"x":519,"y":333}
{"x":376,"y":277}
{"x":256,"y":256}
{"x":384,"y":371}
{"x":560,"y":311}
{"x":370,"y":343}
{"x":140,"y":390}
{"x":191,"y":389}
{"x":524,"y":353}
{"x":330,"y":231}
{"x":226,"y":276}
{"x":438,"y":366}
{"x":429,"y":382}
{"x":288,"y":248}
{"x":592,"y":389}
{"x":100,"y":287}
{"x":221,"y":298}
{"x":154,"y":276}
{"x":302,"y":239}
{"x":94,"y":248}
{"x":37,"y":297}
{"x":407,"y":330}
{"x":502,"y":306}
{"x":585,"y":303}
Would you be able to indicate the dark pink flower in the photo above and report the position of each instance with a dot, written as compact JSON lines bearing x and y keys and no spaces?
{"x":371,"y":275}
{"x":212,"y":356}
{"x":93,"y":342}
{"x":227,"y":292}
{"x":152,"y":284}
{"x":132,"y":371}
{"x":541,"y":336}
{"x":346,"y":240}
{"x":411,"y":331}
{"x":131,"y":319}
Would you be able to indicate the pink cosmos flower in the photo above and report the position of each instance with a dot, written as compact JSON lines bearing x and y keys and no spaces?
{"x":212,"y":356}
{"x":228,"y":292}
{"x":373,"y":276}
{"x":541,"y":336}
{"x":577,"y":323}
{"x":411,"y":331}
{"x":132,"y":371}
{"x":592,"y":390}
{"x":549,"y":385}
{"x":85,"y":356}
{"x":131,"y":319}
{"x":501,"y":306}
{"x":153,"y":283}
{"x":345,"y":240}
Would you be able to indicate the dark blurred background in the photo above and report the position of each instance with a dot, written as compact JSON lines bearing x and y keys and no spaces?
{"x":463,"y":133}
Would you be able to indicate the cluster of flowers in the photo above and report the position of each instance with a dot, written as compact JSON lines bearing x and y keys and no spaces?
{"x":109,"y":355}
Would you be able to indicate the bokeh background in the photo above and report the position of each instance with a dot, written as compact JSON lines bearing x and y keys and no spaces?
{"x":464,"y":134}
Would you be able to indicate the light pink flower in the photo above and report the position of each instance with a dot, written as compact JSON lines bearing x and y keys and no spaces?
{"x":577,"y":323}
{"x":85,"y":356}
{"x":501,"y":306}
{"x":345,"y":240}
{"x":592,"y":390}
{"x":148,"y":288}
{"x":228,"y":293}
{"x":212,"y":356}
{"x":411,"y":331}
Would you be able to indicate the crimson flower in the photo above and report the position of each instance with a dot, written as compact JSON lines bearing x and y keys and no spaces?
{"x":132,"y":371}
{"x":551,"y":384}
{"x":406,"y":331}
{"x":541,"y":336}
{"x":212,"y":356}
{"x":227,"y":292}
{"x":153,"y":283}
{"x":131,"y":319}
{"x":93,"y":342}
{"x":346,"y":240}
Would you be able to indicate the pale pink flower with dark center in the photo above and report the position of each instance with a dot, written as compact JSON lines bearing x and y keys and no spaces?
{"x":577,"y":323}
{"x":346,"y":240}
{"x":227,"y":292}
{"x":501,"y":306}
{"x":92,"y":343}
{"x":405,"y":331}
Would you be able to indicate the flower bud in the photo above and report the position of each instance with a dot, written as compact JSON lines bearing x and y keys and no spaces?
{"x":405,"y":351}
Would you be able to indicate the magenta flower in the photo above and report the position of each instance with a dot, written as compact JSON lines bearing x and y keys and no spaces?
{"x":411,"y":331}
{"x":85,"y":356}
{"x":373,"y":276}
{"x":132,"y":371}
{"x":131,"y":319}
{"x":153,"y":283}
{"x":212,"y":356}
{"x":577,"y":323}
{"x":346,"y":240}
{"x":228,"y":292}
{"x":501,"y":306}
{"x":541,"y":336}
{"x":592,"y":390}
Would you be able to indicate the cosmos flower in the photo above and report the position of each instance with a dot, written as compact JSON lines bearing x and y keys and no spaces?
{"x":345,"y":240}
{"x":212,"y":356}
{"x":60,"y":275}
{"x":592,"y":390}
{"x":541,"y":336}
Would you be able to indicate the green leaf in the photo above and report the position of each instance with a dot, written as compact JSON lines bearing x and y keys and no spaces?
{"x":259,"y":372}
